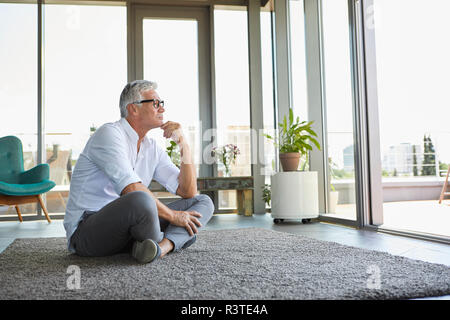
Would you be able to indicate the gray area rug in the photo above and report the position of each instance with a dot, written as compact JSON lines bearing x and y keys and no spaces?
{"x":249,"y":263}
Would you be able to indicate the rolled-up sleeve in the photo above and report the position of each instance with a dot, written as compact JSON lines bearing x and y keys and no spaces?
{"x":166,"y":173}
{"x":108,"y":150}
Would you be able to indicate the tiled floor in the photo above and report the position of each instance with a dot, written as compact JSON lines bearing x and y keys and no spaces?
{"x":427,"y":216}
{"x":402,"y":246}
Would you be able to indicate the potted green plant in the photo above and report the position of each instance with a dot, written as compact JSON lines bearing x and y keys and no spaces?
{"x":294,"y":193}
{"x":266,"y":195}
{"x":92,"y":129}
{"x":294,"y":142}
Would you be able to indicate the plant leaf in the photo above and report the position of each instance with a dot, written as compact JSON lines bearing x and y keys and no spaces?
{"x":315,"y":142}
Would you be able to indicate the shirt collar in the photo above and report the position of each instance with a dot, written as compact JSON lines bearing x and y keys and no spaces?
{"x":131,"y":133}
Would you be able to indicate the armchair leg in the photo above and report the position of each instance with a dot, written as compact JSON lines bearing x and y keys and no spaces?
{"x":18,"y":213}
{"x":44,"y":208}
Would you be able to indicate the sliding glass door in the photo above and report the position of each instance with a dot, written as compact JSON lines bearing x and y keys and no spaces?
{"x":171,"y":46}
{"x":339,"y":111}
{"x":414,"y":111}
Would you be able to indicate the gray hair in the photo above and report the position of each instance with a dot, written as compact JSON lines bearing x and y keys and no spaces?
{"x":133,"y":92}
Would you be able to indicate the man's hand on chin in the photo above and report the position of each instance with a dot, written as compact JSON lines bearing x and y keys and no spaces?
{"x":173,"y":130}
{"x":187,"y":187}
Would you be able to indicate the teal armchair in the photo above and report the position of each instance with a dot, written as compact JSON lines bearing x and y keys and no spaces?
{"x":16,"y":185}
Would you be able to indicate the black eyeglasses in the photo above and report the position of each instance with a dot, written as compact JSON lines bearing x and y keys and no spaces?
{"x":156,"y":103}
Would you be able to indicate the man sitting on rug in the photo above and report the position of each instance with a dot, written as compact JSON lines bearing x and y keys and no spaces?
{"x":110,"y":209}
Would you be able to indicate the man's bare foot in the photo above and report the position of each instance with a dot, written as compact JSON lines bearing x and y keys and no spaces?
{"x":166,"y":246}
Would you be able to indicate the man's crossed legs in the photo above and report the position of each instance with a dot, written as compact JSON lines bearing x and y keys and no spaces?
{"x":134,"y":217}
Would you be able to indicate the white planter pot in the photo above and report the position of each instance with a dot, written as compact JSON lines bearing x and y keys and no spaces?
{"x":333,"y":201}
{"x":295,"y":195}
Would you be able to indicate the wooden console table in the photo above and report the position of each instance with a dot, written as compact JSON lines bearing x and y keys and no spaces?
{"x":211,"y":185}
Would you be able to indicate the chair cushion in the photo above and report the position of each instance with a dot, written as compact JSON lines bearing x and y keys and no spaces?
{"x":12,"y":189}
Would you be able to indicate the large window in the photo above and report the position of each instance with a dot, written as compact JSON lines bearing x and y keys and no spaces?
{"x":298,"y":62}
{"x":232,"y":92}
{"x":177,"y":74}
{"x":268,"y":95}
{"x":413,"y":99}
{"x":299,"y":93}
{"x":85,"y":71}
{"x":339,"y":109}
{"x":18,"y":82}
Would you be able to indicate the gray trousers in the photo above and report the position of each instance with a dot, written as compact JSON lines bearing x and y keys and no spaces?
{"x":134,"y":216}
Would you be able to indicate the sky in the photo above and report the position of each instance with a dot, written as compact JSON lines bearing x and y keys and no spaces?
{"x":412,"y":73}
{"x":413,"y":69}
{"x":170,"y":59}
{"x":85,"y":70}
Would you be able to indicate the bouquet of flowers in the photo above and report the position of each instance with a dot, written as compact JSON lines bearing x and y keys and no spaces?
{"x":226,"y":155}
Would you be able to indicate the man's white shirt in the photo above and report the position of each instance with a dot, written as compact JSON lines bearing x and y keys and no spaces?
{"x":110,"y":162}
